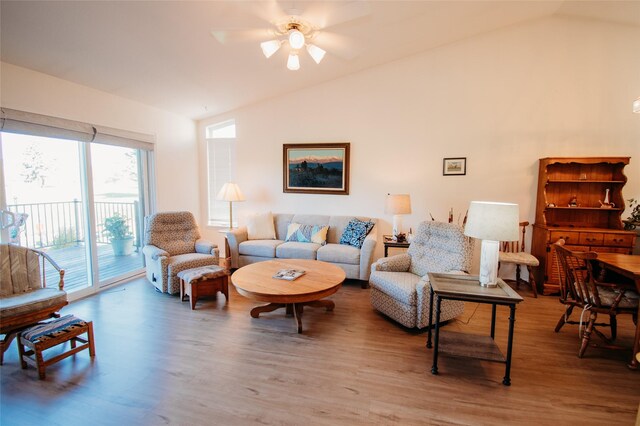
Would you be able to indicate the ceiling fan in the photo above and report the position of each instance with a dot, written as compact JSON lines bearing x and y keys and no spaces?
{"x":298,"y":33}
{"x":291,"y":29}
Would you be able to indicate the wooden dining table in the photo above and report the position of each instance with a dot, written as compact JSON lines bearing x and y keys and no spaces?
{"x":628,"y":266}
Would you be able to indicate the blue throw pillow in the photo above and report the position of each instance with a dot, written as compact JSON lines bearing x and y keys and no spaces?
{"x":307,"y":233}
{"x":355,"y":233}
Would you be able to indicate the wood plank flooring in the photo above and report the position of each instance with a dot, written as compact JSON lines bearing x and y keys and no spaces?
{"x":159,"y":362}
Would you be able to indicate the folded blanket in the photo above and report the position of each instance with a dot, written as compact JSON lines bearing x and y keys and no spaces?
{"x":51,"y":329}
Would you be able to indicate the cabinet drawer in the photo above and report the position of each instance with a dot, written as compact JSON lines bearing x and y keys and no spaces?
{"x":618,"y":240}
{"x":591,"y":238}
{"x":610,"y":250}
{"x":568,"y":237}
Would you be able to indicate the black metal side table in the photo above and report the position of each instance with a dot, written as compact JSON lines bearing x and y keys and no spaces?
{"x":389,"y":242}
{"x":467,"y":288}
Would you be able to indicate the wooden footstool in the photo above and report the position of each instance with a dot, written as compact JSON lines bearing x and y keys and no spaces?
{"x":203,"y":281}
{"x":47,"y":335}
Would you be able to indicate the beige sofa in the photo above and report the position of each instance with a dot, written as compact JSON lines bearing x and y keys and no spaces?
{"x":355,"y":262}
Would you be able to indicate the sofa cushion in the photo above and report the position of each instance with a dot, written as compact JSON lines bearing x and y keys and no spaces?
{"x":186,"y":261}
{"x":399,"y":285}
{"x":262,"y":248}
{"x":310,"y":219}
{"x":339,"y":253}
{"x":294,"y":250}
{"x":282,"y":222}
{"x":355,"y":232}
{"x":260,"y":227}
{"x":31,"y":301}
{"x":307,"y":233}
{"x":337,"y":225}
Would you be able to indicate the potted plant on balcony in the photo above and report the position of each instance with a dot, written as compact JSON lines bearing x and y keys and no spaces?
{"x":119,"y":234}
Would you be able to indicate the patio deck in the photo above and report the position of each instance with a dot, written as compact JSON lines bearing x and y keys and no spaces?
{"x":73,"y":261}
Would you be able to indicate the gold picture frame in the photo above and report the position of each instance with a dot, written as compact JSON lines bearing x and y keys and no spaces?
{"x":316,"y":168}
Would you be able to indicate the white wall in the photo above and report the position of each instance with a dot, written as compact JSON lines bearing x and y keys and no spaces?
{"x":551,"y":87}
{"x":176,"y":142}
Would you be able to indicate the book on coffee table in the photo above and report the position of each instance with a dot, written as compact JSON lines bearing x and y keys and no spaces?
{"x":288,"y":274}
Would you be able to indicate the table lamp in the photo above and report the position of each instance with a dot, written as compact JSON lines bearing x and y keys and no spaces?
{"x":397,"y":205}
{"x":491,"y":222}
{"x":230,"y":192}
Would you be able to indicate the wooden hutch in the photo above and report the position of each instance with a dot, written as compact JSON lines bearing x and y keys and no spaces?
{"x":569,"y":206}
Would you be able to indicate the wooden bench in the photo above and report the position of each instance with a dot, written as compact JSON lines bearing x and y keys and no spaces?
{"x":47,"y":335}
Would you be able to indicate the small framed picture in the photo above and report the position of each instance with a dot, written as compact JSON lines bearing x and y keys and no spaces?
{"x":454,"y":166}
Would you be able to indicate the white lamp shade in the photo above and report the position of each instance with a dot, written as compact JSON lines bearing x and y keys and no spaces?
{"x":296,"y":39}
{"x":230,"y":192}
{"x":493,"y":221}
{"x":270,"y":47}
{"x":636,"y":106}
{"x":398,"y":204}
{"x":315,"y":52}
{"x":293,"y":63}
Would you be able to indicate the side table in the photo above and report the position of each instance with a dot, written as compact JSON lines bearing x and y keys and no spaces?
{"x":389,"y":242}
{"x":467,"y":288}
{"x":227,"y":250}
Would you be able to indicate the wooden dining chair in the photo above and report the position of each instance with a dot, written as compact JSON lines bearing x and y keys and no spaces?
{"x":513,"y":252}
{"x":592,"y":296}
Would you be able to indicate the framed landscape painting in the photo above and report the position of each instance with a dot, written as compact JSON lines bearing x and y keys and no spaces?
{"x":316,"y":168}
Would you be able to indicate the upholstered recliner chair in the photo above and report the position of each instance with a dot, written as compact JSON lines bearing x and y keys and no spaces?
{"x":172,"y":244}
{"x":400,"y":284}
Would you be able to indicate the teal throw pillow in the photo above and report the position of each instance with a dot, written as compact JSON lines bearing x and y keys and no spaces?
{"x":307,"y":233}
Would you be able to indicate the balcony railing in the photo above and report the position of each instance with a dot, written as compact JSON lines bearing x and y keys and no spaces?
{"x":61,"y":224}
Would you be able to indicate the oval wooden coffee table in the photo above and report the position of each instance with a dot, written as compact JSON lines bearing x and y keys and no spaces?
{"x":320,"y":280}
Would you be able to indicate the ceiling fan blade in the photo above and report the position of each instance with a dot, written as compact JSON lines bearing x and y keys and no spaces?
{"x":269,"y":11}
{"x":231,"y":35}
{"x":338,"y":45}
{"x":330,"y":14}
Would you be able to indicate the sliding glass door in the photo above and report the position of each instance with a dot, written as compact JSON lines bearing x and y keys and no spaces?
{"x":118,"y":201}
{"x":44,"y":202}
{"x":82,"y":203}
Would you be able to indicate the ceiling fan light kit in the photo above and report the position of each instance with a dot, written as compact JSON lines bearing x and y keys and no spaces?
{"x":296,"y":39}
{"x":270,"y":47}
{"x":315,"y":52}
{"x":296,"y":32}
{"x":293,"y":63}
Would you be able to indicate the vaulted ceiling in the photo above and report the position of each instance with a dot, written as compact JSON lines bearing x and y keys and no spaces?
{"x":163,"y":53}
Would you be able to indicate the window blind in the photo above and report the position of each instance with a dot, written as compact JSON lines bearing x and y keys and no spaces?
{"x":28,"y":123}
{"x":220,"y":160}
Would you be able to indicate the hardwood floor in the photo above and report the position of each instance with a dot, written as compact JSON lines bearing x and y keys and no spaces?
{"x":159,"y":362}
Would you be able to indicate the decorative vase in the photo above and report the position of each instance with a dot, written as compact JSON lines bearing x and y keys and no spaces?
{"x":122,"y":247}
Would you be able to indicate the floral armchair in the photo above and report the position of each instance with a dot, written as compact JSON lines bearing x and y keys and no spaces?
{"x":172,"y":244}
{"x":400,"y":284}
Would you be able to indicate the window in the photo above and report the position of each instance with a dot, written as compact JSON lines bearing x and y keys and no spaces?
{"x":65,"y":181}
{"x":221,"y":160}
